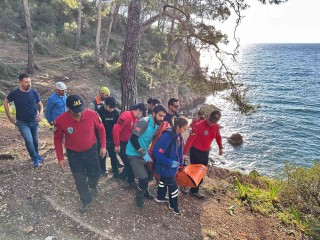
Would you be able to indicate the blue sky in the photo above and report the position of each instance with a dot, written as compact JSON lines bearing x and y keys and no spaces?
{"x":296,"y":21}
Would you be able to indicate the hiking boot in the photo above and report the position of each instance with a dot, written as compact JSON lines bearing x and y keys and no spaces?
{"x":133,"y":184}
{"x":197,"y":195}
{"x":124,"y":184}
{"x":148,"y":195}
{"x":164,"y":200}
{"x":84,"y":207}
{"x":140,"y":198}
{"x":115,"y":175}
{"x":94,"y":191}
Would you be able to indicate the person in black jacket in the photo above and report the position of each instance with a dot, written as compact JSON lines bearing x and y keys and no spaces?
{"x":168,"y":155}
{"x":109,"y":116}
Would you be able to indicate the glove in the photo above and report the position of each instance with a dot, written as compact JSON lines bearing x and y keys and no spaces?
{"x":175,"y":164}
{"x":147,"y":157}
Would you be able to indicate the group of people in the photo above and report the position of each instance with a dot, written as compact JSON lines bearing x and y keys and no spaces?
{"x":88,"y":135}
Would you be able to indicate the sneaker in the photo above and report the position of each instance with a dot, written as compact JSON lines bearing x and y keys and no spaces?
{"x":164,"y":200}
{"x":40,"y":158}
{"x":175,"y":211}
{"x":36,"y":163}
{"x":104,"y":174}
{"x":94,"y":191}
{"x":84,"y":207}
{"x":197,"y":195}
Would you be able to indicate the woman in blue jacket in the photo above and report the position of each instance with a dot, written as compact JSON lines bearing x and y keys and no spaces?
{"x":168,"y":157}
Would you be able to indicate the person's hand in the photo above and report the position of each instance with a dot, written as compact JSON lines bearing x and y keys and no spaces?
{"x":220,"y":151}
{"x":103,"y":152}
{"x":185,"y":157}
{"x":117,"y":149}
{"x":175,"y":164}
{"x":63,"y":165}
{"x":12,"y":120}
{"x":39,"y":117}
{"x":142,"y":152}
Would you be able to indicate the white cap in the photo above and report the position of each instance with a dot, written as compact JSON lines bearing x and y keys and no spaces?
{"x":61,"y":86}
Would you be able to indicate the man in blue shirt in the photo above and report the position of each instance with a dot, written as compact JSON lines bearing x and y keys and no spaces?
{"x":26,"y":101}
{"x":56,"y":104}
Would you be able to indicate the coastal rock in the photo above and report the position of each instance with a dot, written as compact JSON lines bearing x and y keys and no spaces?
{"x":235,"y":139}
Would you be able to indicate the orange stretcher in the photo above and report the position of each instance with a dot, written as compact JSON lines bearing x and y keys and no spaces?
{"x":191,"y":175}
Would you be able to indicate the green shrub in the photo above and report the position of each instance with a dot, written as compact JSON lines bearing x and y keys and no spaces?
{"x":39,"y":47}
{"x":301,"y":188}
{"x":7,"y":70}
{"x":242,"y":190}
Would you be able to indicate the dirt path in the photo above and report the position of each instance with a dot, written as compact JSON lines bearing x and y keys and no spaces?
{"x":42,"y":203}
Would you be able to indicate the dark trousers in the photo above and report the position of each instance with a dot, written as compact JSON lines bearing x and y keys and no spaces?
{"x":169,"y":182}
{"x":127,"y":172}
{"x":102,"y":161}
{"x":85,"y":170}
{"x":113,"y":156}
{"x":198,"y":157}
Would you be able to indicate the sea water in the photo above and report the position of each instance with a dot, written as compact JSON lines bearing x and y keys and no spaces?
{"x":284,"y":82}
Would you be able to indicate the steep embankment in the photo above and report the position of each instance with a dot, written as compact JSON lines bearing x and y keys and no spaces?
{"x":40,"y":203}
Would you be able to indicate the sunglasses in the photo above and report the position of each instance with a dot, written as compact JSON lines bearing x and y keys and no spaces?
{"x":176,"y":106}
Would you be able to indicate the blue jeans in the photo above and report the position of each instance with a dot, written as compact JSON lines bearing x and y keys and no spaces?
{"x":29,"y":132}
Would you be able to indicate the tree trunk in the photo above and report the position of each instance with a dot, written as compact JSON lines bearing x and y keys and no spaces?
{"x":30,"y":69}
{"x":116,"y":16}
{"x":113,"y":9}
{"x":130,"y":55}
{"x":78,"y":37}
{"x":97,"y":62}
{"x":170,"y":37}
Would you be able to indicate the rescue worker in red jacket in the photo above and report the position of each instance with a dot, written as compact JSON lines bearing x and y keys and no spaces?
{"x":199,"y":142}
{"x":78,"y":127}
{"x":121,"y":134}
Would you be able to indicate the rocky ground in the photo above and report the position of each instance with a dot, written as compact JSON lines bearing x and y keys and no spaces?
{"x":42,"y":203}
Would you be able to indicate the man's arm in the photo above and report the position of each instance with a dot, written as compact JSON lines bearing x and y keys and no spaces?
{"x":102,"y":134}
{"x":48,"y":112}
{"x":40,"y":114}
{"x":192,"y":137}
{"x":7,"y":109}
{"x":219,"y":142}
{"x":117,"y":130}
{"x":139,"y":129}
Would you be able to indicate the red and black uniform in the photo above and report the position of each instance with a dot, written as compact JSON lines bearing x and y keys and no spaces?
{"x":121,"y":133}
{"x":80,"y":143}
{"x":199,"y":143}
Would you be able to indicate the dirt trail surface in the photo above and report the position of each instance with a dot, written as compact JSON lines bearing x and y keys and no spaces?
{"x":42,"y":203}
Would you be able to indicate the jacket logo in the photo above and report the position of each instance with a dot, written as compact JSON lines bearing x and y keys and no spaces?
{"x":206,"y":132}
{"x":70,"y":130}
{"x":138,"y":129}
